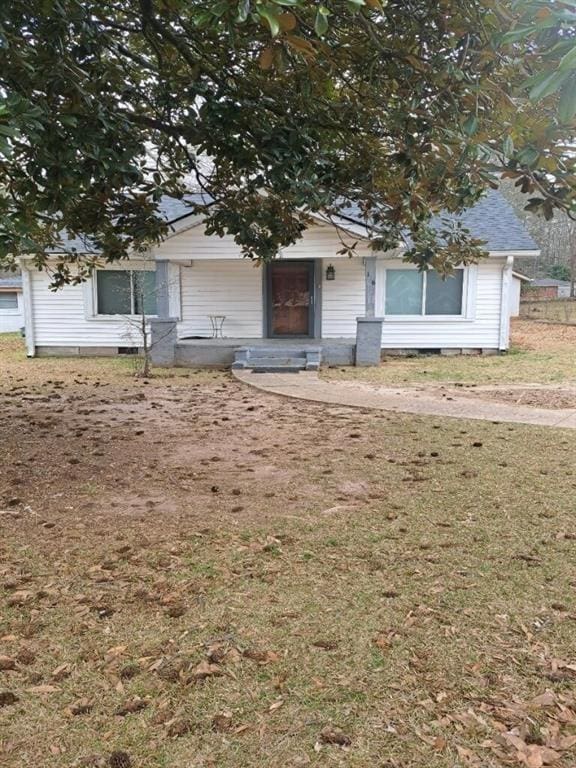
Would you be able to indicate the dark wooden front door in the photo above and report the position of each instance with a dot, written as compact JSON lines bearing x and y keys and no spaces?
{"x":290,"y":298}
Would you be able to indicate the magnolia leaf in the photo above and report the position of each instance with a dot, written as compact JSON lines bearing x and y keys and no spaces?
{"x":567,"y":105}
{"x":287,"y":21}
{"x":243,"y":10}
{"x":470,"y":125}
{"x":321,"y":22}
{"x":301,"y":45}
{"x":508,"y":146}
{"x":518,"y":34}
{"x":266,"y":58}
{"x":568,"y":62}
{"x":528,"y":156}
{"x":272,"y":17}
{"x":548,"y":85}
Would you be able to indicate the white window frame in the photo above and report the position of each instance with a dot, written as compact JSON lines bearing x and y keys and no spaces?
{"x":468,"y":313}
{"x":91,"y":294}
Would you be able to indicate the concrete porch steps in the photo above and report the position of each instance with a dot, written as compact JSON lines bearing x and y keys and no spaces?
{"x":277,"y":360}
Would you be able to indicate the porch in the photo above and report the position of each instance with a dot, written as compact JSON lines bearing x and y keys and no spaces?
{"x":223,"y":352}
{"x":297,"y":313}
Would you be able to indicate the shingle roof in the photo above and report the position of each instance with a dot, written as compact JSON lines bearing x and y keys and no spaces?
{"x":548,"y":282}
{"x":170,"y":210}
{"x":492,"y":219}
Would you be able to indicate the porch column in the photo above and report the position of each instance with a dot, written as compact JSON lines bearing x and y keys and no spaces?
{"x":370,"y":286}
{"x":163,"y":328}
{"x":162,"y":289}
{"x":369,"y":327}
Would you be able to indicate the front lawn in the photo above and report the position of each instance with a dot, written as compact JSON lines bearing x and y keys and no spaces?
{"x":193,"y":573}
{"x":540,"y":353}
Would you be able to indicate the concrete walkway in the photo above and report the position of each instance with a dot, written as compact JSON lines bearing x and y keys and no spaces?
{"x":309,"y":386}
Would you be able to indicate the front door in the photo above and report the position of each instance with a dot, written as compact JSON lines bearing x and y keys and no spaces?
{"x":290,"y":298}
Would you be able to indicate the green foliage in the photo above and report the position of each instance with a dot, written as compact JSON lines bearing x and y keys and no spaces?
{"x":277,"y":108}
{"x":558,"y":271}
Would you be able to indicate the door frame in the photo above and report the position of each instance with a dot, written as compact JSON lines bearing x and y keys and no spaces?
{"x":314,"y":309}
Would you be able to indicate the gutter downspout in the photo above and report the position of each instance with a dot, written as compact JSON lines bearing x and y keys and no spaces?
{"x":504,"y":337}
{"x":28,"y":311}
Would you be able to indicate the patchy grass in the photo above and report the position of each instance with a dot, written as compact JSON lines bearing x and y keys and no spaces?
{"x":17,"y":369}
{"x":197,"y":574}
{"x":540,"y":354}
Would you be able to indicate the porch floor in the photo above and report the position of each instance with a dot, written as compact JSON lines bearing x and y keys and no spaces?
{"x":220,"y":352}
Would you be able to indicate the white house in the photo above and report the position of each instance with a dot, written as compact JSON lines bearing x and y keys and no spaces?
{"x":311,"y":299}
{"x":11,"y":304}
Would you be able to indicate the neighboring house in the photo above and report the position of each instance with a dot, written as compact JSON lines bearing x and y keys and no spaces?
{"x":519,"y":284}
{"x":548,"y":288}
{"x":310,"y":302}
{"x":11,"y":304}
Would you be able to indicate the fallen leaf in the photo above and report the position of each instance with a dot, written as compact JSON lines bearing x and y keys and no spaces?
{"x":331,"y":735}
{"x":40,"y":689}
{"x":61,"y":672}
{"x":205,"y":669}
{"x":222,"y":721}
{"x":131,"y":706}
{"x":262,"y":657}
{"x":546,"y":699}
{"x":178,"y":727}
{"x":81,"y":707}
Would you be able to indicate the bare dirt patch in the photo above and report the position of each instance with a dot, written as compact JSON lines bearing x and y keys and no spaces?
{"x":537,"y":397}
{"x":197,"y":574}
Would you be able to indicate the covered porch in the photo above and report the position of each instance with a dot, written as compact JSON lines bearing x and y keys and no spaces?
{"x":287,"y":309}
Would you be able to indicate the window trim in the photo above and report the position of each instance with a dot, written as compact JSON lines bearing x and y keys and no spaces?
{"x":468,"y":298}
{"x":90,"y":289}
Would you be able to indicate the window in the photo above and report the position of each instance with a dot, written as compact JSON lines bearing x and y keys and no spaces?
{"x":409,"y":292}
{"x":404,"y":291}
{"x":8,"y":300}
{"x":126,"y":292}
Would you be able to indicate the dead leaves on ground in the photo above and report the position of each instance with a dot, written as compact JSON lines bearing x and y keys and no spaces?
{"x":220,"y":660}
{"x":533,"y":734}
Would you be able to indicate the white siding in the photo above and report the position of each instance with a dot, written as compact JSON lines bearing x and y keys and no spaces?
{"x":230,"y":288}
{"x":342,"y":298}
{"x":317,"y":242}
{"x":480,"y":329}
{"x":209,"y":276}
{"x":515,"y":287}
{"x":62,"y":318}
{"x":220,"y":281}
{"x":12,"y":319}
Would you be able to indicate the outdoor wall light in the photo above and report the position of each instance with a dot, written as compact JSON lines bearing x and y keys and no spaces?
{"x":330,"y":272}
